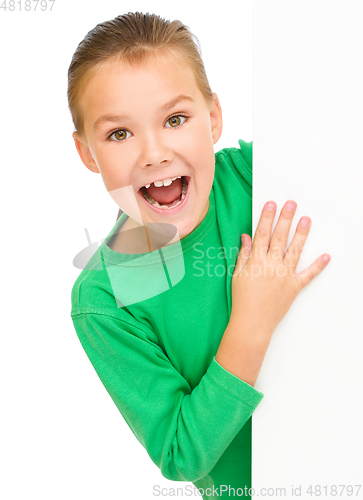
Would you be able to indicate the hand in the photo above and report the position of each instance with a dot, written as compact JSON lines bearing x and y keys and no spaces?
{"x":264,"y":282}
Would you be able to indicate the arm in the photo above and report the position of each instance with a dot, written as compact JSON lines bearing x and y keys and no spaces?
{"x":184,"y":431}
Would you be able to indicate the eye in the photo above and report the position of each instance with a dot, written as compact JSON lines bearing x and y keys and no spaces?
{"x":120,"y":135}
{"x":175,"y":121}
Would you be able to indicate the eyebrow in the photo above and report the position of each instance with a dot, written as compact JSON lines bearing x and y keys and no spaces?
{"x":164,"y":107}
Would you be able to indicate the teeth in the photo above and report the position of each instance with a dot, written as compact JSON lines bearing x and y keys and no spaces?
{"x":164,"y":182}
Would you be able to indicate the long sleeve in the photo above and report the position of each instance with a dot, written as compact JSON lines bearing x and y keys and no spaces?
{"x":184,"y":431}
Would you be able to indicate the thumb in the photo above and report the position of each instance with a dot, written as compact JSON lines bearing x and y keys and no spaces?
{"x":244,"y":253}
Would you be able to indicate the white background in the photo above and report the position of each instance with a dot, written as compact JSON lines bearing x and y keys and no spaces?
{"x":62,"y":435}
{"x":308,"y":131}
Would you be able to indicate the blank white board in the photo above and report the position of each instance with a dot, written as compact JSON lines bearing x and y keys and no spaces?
{"x":308,"y":135}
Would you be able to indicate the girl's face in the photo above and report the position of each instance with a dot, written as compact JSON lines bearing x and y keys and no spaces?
{"x":149,"y":123}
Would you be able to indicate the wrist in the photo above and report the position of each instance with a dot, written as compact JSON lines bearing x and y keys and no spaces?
{"x":253,"y":333}
{"x":242,"y":350}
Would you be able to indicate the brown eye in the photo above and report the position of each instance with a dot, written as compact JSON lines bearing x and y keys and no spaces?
{"x":120,"y":135}
{"x":175,"y":121}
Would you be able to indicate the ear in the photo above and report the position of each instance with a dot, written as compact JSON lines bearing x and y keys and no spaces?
{"x":85,"y":153}
{"x":216,"y":119}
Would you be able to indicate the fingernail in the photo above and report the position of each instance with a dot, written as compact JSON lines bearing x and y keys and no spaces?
{"x":304,"y":222}
{"x":290,"y":206}
{"x":325,"y":257}
{"x":242,"y":239}
{"x":270,"y":206}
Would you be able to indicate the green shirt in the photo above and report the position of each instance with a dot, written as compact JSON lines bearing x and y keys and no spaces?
{"x":153,"y":344}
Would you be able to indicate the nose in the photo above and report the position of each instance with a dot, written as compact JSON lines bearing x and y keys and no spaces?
{"x":154,"y":151}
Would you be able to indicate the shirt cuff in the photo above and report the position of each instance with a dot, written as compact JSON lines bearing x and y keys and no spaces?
{"x":236,"y":386}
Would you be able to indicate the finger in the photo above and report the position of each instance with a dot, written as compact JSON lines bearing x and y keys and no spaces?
{"x":262,"y":235}
{"x":307,"y":275}
{"x":244,"y":253}
{"x":281,"y":232}
{"x":296,"y":246}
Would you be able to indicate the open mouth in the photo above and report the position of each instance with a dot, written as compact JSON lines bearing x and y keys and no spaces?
{"x":173,"y":204}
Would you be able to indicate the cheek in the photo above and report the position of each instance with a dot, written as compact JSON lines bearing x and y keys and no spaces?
{"x":198,"y":141}
{"x":108,"y":155}
{"x":111,"y":160}
{"x":110,"y":163}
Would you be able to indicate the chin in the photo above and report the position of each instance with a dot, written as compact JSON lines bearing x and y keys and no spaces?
{"x":185,"y":228}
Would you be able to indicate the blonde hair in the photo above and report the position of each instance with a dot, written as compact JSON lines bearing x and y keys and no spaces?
{"x":133,"y":37}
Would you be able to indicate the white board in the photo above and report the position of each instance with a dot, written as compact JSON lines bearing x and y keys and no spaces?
{"x":308,"y":130}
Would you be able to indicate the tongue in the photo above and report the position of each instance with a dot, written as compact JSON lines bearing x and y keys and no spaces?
{"x":166,"y":194}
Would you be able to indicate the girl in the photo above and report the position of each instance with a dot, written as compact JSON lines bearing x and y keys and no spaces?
{"x":174,"y":313}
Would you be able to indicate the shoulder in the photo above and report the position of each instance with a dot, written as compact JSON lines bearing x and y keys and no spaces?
{"x":96,"y":312}
{"x":92,"y":291}
{"x":239,"y":162}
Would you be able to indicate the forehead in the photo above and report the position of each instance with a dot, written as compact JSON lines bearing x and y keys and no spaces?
{"x":153,"y":82}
